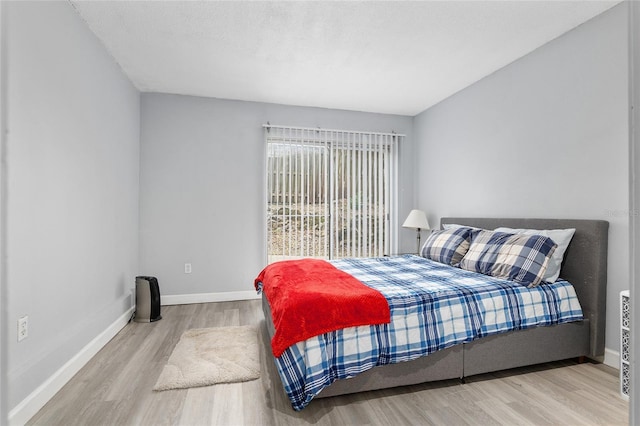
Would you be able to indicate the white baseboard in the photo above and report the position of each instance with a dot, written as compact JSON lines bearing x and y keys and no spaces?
{"x":612,"y":358}
{"x":186,"y":299}
{"x":43,"y":393}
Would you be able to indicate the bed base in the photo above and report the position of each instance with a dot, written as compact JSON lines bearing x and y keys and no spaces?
{"x":492,"y":353}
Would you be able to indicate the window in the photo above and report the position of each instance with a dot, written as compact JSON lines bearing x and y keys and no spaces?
{"x":330,"y":193}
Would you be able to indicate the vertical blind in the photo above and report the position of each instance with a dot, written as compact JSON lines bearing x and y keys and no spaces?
{"x":329,"y":193}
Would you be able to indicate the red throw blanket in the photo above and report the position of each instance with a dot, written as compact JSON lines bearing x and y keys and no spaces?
{"x":310,"y":297}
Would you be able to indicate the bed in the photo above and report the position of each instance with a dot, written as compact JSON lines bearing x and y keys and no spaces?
{"x":584,"y":266}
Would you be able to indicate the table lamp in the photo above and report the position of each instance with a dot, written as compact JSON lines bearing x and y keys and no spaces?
{"x":417,"y":220}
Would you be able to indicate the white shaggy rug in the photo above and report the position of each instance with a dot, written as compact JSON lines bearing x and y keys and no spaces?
{"x":207,"y":356}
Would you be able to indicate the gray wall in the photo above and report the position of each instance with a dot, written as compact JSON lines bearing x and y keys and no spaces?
{"x":73,"y":163}
{"x":202,"y":185}
{"x":546,"y":136}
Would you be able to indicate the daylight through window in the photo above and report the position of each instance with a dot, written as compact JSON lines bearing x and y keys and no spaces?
{"x":330,"y":193}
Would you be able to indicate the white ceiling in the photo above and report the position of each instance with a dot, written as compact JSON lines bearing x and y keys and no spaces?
{"x":390,"y":57}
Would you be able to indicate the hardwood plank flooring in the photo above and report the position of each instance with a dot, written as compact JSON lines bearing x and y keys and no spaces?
{"x":114,"y":388}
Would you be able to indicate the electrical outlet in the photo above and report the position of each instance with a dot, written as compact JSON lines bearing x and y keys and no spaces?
{"x":187,"y":268}
{"x":23,"y":328}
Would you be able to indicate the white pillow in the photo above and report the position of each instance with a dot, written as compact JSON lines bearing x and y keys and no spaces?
{"x":562,"y":237}
{"x":448,"y":226}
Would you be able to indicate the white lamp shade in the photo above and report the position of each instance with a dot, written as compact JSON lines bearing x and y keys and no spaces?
{"x":417,"y":219}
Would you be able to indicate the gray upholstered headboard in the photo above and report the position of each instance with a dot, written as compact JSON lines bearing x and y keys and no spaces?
{"x":585,"y":264}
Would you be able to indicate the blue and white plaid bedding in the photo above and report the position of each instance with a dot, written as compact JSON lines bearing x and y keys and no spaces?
{"x":433,"y":307}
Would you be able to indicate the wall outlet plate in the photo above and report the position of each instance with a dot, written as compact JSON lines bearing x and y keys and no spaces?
{"x":187,"y":268}
{"x":23,"y":328}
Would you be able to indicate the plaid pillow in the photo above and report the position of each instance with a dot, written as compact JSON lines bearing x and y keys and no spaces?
{"x":516,"y":257}
{"x":447,"y":246}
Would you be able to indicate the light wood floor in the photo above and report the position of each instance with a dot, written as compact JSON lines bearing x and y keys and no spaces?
{"x":114,"y":388}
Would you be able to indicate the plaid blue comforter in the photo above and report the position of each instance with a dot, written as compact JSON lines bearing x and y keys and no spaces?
{"x":433,"y":306}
